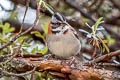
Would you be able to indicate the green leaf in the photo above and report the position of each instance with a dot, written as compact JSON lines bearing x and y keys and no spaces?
{"x":0,"y":36}
{"x":45,"y":29}
{"x":20,"y":39}
{"x":104,"y":45}
{"x":37,"y":49}
{"x":3,"y":40}
{"x":26,"y":45}
{"x":11,"y":29}
{"x":49,"y":9}
{"x":6,"y":28}
{"x":97,"y":23}
{"x":1,"y":25}
{"x":44,"y":50}
{"x":103,"y":49}
{"x":38,"y":34}
{"x":110,"y":40}
{"x":33,"y":50}
{"x":38,"y":74}
{"x":105,"y":41}
{"x":25,"y":50}
{"x":48,"y":79}
{"x":1,"y":53}
{"x":81,"y":30}
{"x":85,"y":19}
{"x":38,"y":1}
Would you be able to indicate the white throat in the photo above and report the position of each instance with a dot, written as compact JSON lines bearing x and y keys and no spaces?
{"x":61,"y":29}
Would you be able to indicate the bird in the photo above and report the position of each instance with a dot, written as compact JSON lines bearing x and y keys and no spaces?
{"x":62,"y":39}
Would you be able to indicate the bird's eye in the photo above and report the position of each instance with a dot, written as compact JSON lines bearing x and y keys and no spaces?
{"x":53,"y":23}
{"x":56,"y":24}
{"x":59,"y":24}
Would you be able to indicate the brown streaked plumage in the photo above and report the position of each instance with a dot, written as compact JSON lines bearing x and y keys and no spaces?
{"x":49,"y":29}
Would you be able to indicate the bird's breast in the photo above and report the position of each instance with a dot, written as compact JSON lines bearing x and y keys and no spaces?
{"x":63,"y":45}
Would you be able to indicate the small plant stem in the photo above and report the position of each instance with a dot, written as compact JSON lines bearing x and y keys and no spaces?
{"x":27,"y":6}
{"x":94,"y":53}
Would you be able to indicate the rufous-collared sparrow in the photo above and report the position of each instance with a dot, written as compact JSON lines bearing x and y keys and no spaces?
{"x":62,"y":39}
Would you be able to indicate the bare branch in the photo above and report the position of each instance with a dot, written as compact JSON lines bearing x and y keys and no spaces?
{"x":105,"y":57}
{"x":29,"y":29}
{"x":76,"y":70}
{"x":15,"y":74}
{"x":15,"y":53}
{"x":27,"y":6}
{"x":108,"y":64}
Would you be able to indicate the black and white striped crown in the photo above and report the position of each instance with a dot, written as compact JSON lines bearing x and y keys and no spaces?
{"x":58,"y":18}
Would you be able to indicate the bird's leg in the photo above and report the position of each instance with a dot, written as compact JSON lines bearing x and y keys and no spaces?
{"x":72,"y":61}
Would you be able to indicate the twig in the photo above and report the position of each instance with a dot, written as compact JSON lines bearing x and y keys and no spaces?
{"x":4,"y":56}
{"x":16,"y":37}
{"x":104,"y":57}
{"x":17,"y":26}
{"x":22,"y":25}
{"x":15,"y":53}
{"x":108,"y":64}
{"x":33,"y":4}
{"x":27,"y":5}
{"x":15,"y":74}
